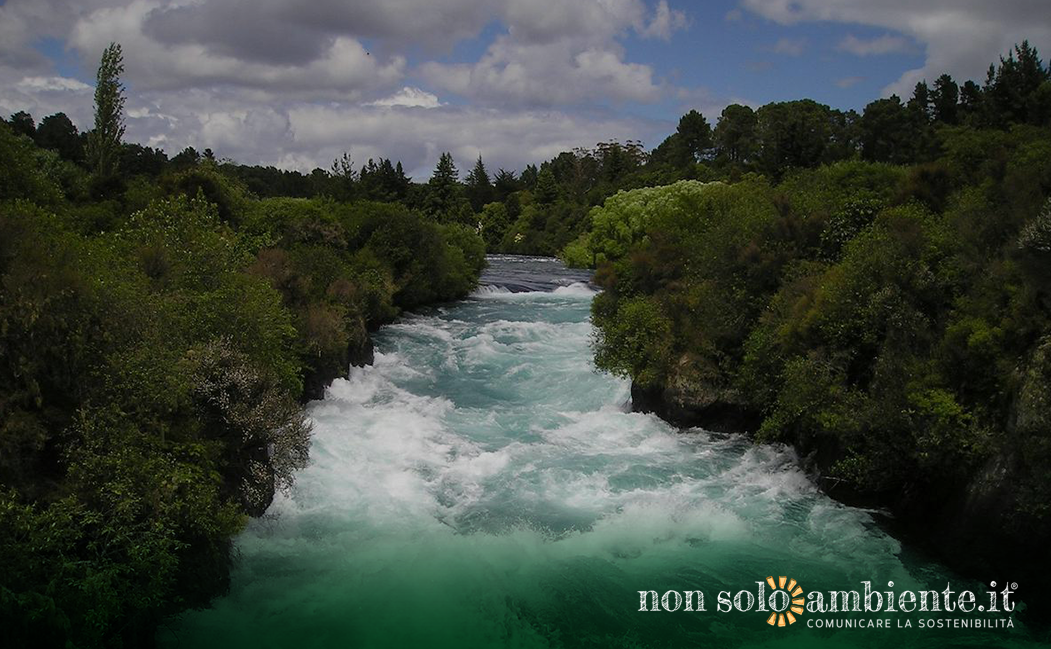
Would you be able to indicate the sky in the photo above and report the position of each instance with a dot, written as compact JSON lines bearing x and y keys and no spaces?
{"x":295,"y":83}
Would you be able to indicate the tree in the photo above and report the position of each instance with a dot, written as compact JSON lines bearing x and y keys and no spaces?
{"x":575,"y":173}
{"x":344,"y":177}
{"x":383,"y":181}
{"x":445,"y":200}
{"x":479,"y":187}
{"x":735,"y":133}
{"x":617,"y":160}
{"x":1011,"y":85}
{"x":792,"y":134}
{"x":445,"y":173}
{"x":188,"y":157}
{"x":695,"y":135}
{"x":1040,"y":105}
{"x":505,"y":184}
{"x":22,"y":123}
{"x":494,"y":223}
{"x":670,"y":152}
{"x":528,"y":178}
{"x":546,"y":191}
{"x":972,"y":100}
{"x":104,"y":141}
{"x":885,"y":131}
{"x":920,"y":104}
{"x":945,"y":100}
{"x":924,"y":145}
{"x":58,"y":133}
{"x":399,"y":182}
{"x":690,"y":142}
{"x":136,"y":160}
{"x":844,"y":140}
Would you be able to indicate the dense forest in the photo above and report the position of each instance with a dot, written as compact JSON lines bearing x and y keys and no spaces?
{"x":872,"y":288}
{"x":160,"y":326}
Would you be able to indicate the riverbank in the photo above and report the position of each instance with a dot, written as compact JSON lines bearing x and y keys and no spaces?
{"x":481,"y":485}
{"x":156,"y":350}
{"x":966,"y":525}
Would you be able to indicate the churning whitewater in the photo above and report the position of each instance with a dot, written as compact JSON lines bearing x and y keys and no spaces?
{"x":483,"y":486}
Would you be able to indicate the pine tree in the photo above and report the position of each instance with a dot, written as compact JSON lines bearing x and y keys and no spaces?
{"x":344,"y":177}
{"x":444,"y":192}
{"x":945,"y":100}
{"x":920,"y":104}
{"x":529,"y":176}
{"x":479,"y":188}
{"x":505,"y":184}
{"x":695,"y":135}
{"x":546,"y":191}
{"x":402,"y":183}
{"x":1012,"y":86}
{"x":972,"y":102}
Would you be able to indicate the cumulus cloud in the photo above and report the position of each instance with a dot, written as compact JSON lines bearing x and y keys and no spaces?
{"x":535,"y":74}
{"x":789,"y":46}
{"x":665,"y":22}
{"x":507,"y":139}
{"x":585,"y":21}
{"x":848,"y":82}
{"x":961,"y":37}
{"x":886,"y":44}
{"x":407,"y":96}
{"x":289,"y":31}
{"x":294,"y":84}
{"x":52,"y":84}
{"x":341,"y":69}
{"x":556,"y":53}
{"x":316,"y":49}
{"x":303,"y":135}
{"x":15,"y":50}
{"x":45,"y":95}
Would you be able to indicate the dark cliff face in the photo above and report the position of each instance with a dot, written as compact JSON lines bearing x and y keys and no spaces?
{"x":696,"y":394}
{"x":329,"y":368}
{"x":255,"y":483}
{"x":677,"y":409}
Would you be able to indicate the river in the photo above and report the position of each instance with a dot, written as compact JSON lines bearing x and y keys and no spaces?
{"x":483,"y":486}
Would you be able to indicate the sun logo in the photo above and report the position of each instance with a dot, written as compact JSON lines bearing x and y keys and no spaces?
{"x":786,"y":598}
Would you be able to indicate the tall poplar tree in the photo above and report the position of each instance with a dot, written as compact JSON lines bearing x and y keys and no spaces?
{"x":103,"y":147}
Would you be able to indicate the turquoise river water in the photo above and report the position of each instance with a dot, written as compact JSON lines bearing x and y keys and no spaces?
{"x":483,"y":486}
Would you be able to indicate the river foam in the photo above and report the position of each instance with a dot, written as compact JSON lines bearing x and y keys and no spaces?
{"x":481,"y":485}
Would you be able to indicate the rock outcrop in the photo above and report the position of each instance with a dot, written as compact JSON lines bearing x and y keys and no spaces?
{"x":696,"y":395}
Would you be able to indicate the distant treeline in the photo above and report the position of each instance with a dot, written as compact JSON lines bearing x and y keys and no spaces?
{"x":542,"y":208}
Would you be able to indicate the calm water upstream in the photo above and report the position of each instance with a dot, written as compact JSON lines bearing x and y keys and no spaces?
{"x":483,"y":486}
